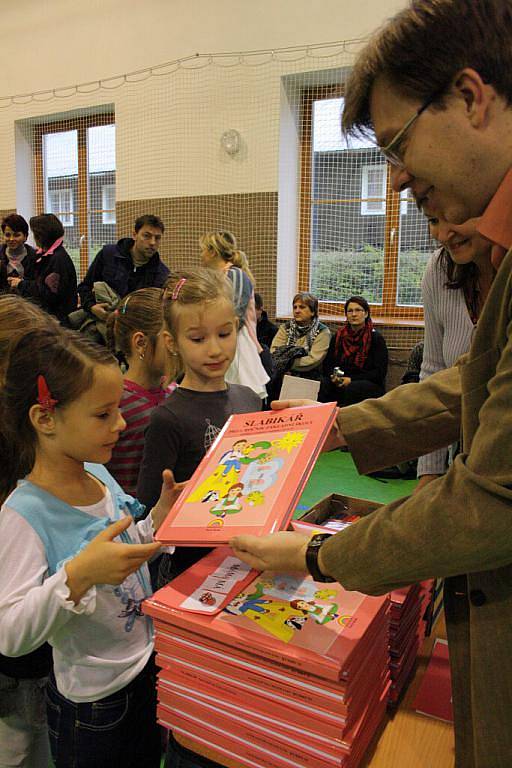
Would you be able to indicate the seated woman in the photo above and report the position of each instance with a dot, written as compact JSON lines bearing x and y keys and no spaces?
{"x":357,"y":361}
{"x":53,"y":283}
{"x":300,"y":345}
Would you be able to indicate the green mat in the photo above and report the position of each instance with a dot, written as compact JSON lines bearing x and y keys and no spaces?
{"x":335,"y":472}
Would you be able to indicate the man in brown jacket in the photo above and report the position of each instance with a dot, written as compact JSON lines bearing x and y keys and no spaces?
{"x":435,"y":84}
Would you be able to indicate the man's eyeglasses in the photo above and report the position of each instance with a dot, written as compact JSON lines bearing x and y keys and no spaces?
{"x":394,"y":151}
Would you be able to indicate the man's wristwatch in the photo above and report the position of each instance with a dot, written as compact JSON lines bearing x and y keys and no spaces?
{"x":312,"y":551}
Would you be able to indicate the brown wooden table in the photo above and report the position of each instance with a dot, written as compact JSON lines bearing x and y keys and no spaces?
{"x":405,"y":739}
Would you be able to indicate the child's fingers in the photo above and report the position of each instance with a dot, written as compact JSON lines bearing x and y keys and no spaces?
{"x":141,"y":551}
{"x":168,"y":478}
{"x":114,"y":529}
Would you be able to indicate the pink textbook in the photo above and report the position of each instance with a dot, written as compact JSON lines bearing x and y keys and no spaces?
{"x":287,"y":618}
{"x":434,"y":697}
{"x":251,"y":478}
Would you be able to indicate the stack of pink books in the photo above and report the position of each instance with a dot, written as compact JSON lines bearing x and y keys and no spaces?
{"x":410,"y":613}
{"x":406,"y":633}
{"x":273,"y":670}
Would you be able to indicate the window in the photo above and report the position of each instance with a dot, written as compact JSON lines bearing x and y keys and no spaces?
{"x":356,"y":235}
{"x":373,"y":191}
{"x":108,"y":204}
{"x":75,"y":175}
{"x":61,"y":204}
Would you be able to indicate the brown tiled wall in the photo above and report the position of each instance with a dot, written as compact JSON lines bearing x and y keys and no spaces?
{"x":253,"y":219}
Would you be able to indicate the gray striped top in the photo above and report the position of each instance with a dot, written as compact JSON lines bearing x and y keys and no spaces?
{"x":448,"y":333}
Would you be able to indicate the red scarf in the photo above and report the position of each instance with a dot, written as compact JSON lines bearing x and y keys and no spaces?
{"x":353,"y":345}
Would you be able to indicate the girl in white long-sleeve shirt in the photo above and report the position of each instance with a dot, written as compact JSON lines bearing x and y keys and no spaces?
{"x":72,"y":561}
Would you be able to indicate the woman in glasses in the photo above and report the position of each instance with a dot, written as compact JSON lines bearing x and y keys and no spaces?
{"x":357,"y":361}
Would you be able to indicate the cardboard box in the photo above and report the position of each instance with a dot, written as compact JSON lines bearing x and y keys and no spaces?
{"x":336,"y":506}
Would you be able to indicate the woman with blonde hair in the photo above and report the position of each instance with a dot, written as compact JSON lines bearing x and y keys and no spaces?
{"x":219,"y":250}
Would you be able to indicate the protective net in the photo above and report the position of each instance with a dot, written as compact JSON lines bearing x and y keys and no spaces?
{"x":249,"y":142}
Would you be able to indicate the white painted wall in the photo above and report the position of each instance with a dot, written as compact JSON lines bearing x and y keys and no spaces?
{"x":168,"y":129}
{"x":51,"y":43}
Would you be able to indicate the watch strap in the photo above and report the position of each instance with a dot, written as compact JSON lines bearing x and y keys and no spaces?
{"x":312,"y":551}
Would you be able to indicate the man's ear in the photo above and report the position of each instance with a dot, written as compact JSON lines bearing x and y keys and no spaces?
{"x":42,"y":420}
{"x":477,"y":95}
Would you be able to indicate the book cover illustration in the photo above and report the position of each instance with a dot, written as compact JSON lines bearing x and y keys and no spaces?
{"x":251,"y":477}
{"x":294,"y":609}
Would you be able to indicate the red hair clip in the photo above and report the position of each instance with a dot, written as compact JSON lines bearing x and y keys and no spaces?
{"x":44,"y":397}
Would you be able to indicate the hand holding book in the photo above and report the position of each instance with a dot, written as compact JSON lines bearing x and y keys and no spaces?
{"x":168,"y":496}
{"x":283,"y":551}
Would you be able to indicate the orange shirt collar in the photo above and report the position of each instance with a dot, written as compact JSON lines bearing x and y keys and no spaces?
{"x":496,"y":222}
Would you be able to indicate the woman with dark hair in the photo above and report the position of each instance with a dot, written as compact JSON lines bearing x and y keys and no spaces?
{"x":17,"y":259}
{"x":454,"y":287}
{"x":300,"y":345}
{"x":53,"y":283}
{"x":357,"y":361}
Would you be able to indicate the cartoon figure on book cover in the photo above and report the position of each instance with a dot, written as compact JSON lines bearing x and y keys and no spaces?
{"x":262,"y":474}
{"x":230,"y":504}
{"x":253,"y":463}
{"x":231,"y":459}
{"x":281,"y":618}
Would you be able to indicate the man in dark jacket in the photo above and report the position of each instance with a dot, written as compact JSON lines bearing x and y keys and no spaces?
{"x":132,"y":263}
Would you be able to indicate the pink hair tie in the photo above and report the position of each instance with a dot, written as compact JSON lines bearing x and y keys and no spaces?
{"x":44,"y":397}
{"x":177,"y":288}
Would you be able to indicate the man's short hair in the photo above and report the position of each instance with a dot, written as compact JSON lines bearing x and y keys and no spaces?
{"x":16,"y":223}
{"x":421,"y":49}
{"x":149,"y":220}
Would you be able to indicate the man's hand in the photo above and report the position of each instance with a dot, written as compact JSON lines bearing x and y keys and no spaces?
{"x":283,"y":551}
{"x":105,"y":561}
{"x":279,"y":405}
{"x":168,"y":497}
{"x":14,"y":281}
{"x":100,"y":311}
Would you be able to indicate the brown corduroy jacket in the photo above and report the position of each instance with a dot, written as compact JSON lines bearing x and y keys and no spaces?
{"x":458,"y":527}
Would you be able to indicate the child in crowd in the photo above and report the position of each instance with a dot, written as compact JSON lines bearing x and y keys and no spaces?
{"x":219,"y":250}
{"x":72,"y":561}
{"x":135,"y":331}
{"x":23,"y":727}
{"x":201,"y":335}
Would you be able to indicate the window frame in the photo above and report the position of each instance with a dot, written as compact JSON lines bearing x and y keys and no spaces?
{"x":109,"y":212}
{"x":66,"y":211}
{"x":81,"y":125}
{"x":365,"y":196}
{"x":389,"y":311}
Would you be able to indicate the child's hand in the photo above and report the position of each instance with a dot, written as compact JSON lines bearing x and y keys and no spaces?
{"x":168,"y":497}
{"x":105,"y":561}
